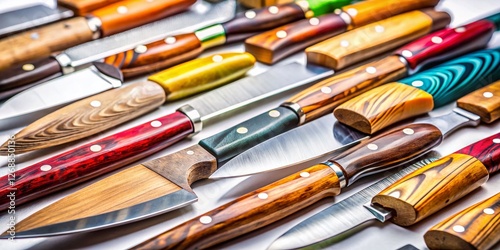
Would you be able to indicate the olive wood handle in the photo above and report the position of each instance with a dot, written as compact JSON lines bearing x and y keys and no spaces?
{"x":484,"y":102}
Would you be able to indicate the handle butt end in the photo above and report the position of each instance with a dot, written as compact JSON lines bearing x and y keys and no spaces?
{"x":404,"y":214}
{"x":437,"y":239}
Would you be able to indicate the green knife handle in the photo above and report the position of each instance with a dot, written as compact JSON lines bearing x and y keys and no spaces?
{"x":231,"y":142}
{"x":420,"y":93}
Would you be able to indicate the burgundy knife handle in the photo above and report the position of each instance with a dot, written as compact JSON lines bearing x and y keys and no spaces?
{"x":487,"y":151}
{"x":447,"y":43}
{"x":94,"y":158}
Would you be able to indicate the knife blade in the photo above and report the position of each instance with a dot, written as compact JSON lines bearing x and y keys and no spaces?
{"x":109,"y":109}
{"x":323,"y":97}
{"x":17,"y":78}
{"x":111,"y":19}
{"x":332,"y":228}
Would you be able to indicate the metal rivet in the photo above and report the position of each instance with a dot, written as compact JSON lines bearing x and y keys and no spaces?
{"x":326,"y":90}
{"x":489,"y":211}
{"x":205,"y":219}
{"x":337,"y":11}
{"x":122,"y":10}
{"x":34,"y":36}
{"x":95,"y":104}
{"x":95,"y":148}
{"x":344,"y":43}
{"x":28,"y":67}
{"x":242,"y":130}
{"x":217,"y":58}
{"x":281,"y":34}
{"x":371,"y":70}
{"x":304,"y":174}
{"x":250,"y":14}
{"x":352,"y":12}
{"x":407,"y":53}
{"x":417,"y":83}
{"x":488,"y":94}
{"x":273,"y":10}
{"x":379,"y":28}
{"x":436,"y":39}
{"x":141,"y":49}
{"x":395,"y":194}
{"x":170,"y":40}
{"x":274,"y":113}
{"x":314,"y":21}
{"x":262,"y":196}
{"x":408,"y":131}
{"x":156,"y":124}
{"x":458,"y":229}
{"x":190,"y":152}
{"x":460,"y":29}
{"x":496,"y":140}
{"x":372,"y":146}
{"x":46,"y":167}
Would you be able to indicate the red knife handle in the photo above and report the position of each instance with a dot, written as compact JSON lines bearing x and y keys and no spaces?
{"x":447,"y":43}
{"x":93,"y":159}
{"x":487,"y":151}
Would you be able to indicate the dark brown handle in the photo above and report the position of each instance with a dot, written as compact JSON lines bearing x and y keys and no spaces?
{"x":484,"y":102}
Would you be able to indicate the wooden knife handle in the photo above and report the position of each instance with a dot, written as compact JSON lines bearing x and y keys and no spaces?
{"x":387,"y":150}
{"x":376,"y":38}
{"x":250,"y":211}
{"x":383,"y":106}
{"x":95,"y":158}
{"x":82,"y":7}
{"x":128,"y":14}
{"x":157,"y":55}
{"x":476,"y":227}
{"x":484,"y":102}
{"x":41,"y":42}
{"x":487,"y":151}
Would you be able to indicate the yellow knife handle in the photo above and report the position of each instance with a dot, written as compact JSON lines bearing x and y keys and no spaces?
{"x":484,"y":102}
{"x":476,"y":227}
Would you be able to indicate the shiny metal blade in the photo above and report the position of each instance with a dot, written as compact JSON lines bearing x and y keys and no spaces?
{"x":199,"y":15}
{"x":248,"y":90}
{"x":44,"y":98}
{"x":305,"y":143}
{"x":343,"y":215}
{"x":140,"y":211}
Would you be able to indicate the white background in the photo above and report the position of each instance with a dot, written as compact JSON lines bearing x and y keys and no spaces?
{"x":214,"y":193}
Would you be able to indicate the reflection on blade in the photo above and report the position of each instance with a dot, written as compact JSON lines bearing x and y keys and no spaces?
{"x":138,"y":212}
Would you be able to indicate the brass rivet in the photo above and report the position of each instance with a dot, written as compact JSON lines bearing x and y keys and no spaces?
{"x":352,"y":12}
{"x":217,"y":58}
{"x":274,"y":113}
{"x":250,"y":14}
{"x":273,"y":10}
{"x":281,"y":34}
{"x":263,"y":196}
{"x":242,"y":130}
{"x":205,"y":219}
{"x":488,"y":94}
{"x":437,"y":39}
{"x":489,"y":211}
{"x":156,"y":124}
{"x":95,"y":148}
{"x":407,"y":53}
{"x":314,"y":21}
{"x":344,"y":43}
{"x":496,"y":140}
{"x":379,"y":28}
{"x":122,"y":10}
{"x":460,"y":29}
{"x":395,"y":194}
{"x":95,"y":104}
{"x":417,"y":83}
{"x":141,"y":49}
{"x":372,"y":146}
{"x":28,"y":67}
{"x":304,"y":174}
{"x":371,"y":70}
{"x":458,"y":229}
{"x":337,"y":11}
{"x":408,"y":131}
{"x":170,"y":40}
{"x":45,"y":167}
{"x":190,"y":152}
{"x":326,"y":90}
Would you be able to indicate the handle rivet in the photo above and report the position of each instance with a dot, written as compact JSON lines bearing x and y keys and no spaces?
{"x":273,"y":10}
{"x":379,"y":28}
{"x":314,"y":21}
{"x":250,"y":14}
{"x":371,"y":70}
{"x":95,"y":148}
{"x":34,"y":36}
{"x":496,"y":140}
{"x":122,"y":10}
{"x":344,"y":43}
{"x":458,"y":229}
{"x":326,"y":90}
{"x":488,"y":94}
{"x":407,"y":53}
{"x":304,"y":174}
{"x":190,"y":152}
{"x":408,"y":131}
{"x":28,"y":67}
{"x":372,"y":146}
{"x":217,"y":58}
{"x":352,"y":12}
{"x":45,"y":167}
{"x":489,"y":211}
{"x":156,"y":124}
{"x":141,"y":49}
{"x":95,"y":104}
{"x":417,"y":83}
{"x":170,"y":40}
{"x":281,"y":34}
{"x":205,"y":219}
{"x":395,"y":194}
{"x":262,"y":196}
{"x":274,"y":113}
{"x":460,"y":29}
{"x":437,"y":39}
{"x":242,"y":130}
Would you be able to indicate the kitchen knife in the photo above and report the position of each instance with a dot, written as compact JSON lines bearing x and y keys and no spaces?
{"x":20,"y":77}
{"x":109,"y":109}
{"x":82,"y":7}
{"x":111,"y":19}
{"x":273,"y":45}
{"x":338,"y":219}
{"x":323,"y":97}
{"x":476,"y":227}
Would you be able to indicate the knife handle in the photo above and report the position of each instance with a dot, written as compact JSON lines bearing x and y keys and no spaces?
{"x":375,"y":38}
{"x":476,"y":227}
{"x":82,"y":7}
{"x":231,"y":142}
{"x":128,"y":14}
{"x":381,"y":107}
{"x":484,"y":102}
{"x":387,"y":150}
{"x":95,"y":158}
{"x":250,"y":211}
{"x":433,"y":187}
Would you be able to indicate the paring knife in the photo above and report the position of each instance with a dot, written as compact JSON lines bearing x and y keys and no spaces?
{"x":475,"y":227}
{"x":109,"y":109}
{"x":333,"y":220}
{"x":21,"y":77}
{"x":273,"y":45}
{"x":323,"y":97}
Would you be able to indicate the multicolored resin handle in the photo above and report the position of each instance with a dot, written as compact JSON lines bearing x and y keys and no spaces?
{"x":419,"y":94}
{"x":484,"y":102}
{"x":476,"y":227}
{"x":433,"y":187}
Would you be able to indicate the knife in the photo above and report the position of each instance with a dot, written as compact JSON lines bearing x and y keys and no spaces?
{"x":20,"y":77}
{"x":323,"y":97}
{"x":475,"y":227}
{"x":82,"y":7}
{"x":332,"y":221}
{"x":274,"y":45}
{"x":109,"y":109}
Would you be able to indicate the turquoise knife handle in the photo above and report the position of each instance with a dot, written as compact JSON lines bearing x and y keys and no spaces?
{"x":495,"y":19}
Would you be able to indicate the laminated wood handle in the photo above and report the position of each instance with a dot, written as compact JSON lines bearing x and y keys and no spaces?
{"x":250,"y":211}
{"x":484,"y":102}
{"x":82,"y":7}
{"x":476,"y":227}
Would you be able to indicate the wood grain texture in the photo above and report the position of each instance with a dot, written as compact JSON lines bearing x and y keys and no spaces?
{"x":481,"y":222}
{"x":321,"y":98}
{"x":431,"y":188}
{"x":82,"y":7}
{"x":128,"y":14}
{"x":81,"y":163}
{"x":383,"y":106}
{"x":387,"y":150}
{"x":487,"y":151}
{"x":251,"y":211}
{"x":41,"y":42}
{"x":126,"y":188}
{"x":81,"y":119}
{"x":484,"y":102}
{"x":262,"y":3}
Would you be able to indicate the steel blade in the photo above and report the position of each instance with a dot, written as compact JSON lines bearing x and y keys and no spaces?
{"x":140,"y":211}
{"x":198,"y":15}
{"x":343,"y":215}
{"x":252,"y":89}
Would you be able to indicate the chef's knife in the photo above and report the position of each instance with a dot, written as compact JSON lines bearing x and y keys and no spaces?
{"x":109,"y":109}
{"x":273,"y":45}
{"x":475,"y":227}
{"x":83,"y":7}
{"x":337,"y":219}
{"x":321,"y":98}
{"x":21,"y":77}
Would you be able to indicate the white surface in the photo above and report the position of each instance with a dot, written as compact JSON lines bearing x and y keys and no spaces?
{"x":214,"y":193}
